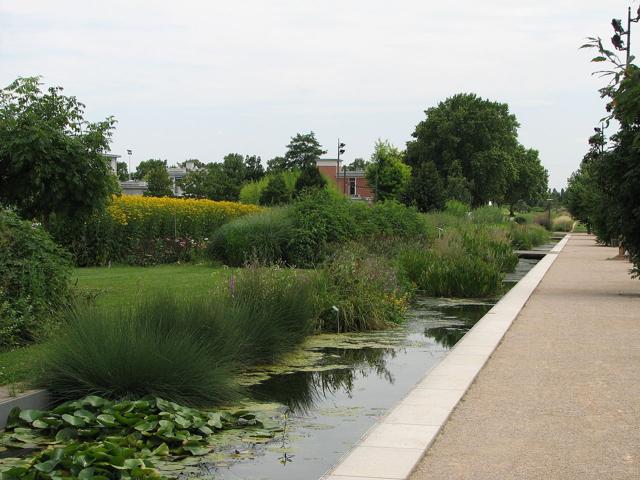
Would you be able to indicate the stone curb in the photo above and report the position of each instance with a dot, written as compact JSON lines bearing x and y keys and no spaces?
{"x":392,"y":448}
{"x":34,"y":399}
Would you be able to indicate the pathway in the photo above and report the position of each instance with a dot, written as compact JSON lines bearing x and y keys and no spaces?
{"x":560,"y":396}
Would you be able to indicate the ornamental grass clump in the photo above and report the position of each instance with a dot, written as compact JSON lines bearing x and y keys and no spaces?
{"x":261,"y":237}
{"x":187,"y":350}
{"x":563,"y":223}
{"x":527,"y":236}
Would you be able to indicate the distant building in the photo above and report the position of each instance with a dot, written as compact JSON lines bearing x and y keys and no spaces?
{"x":177,"y":173}
{"x":139,"y":187}
{"x":352,"y":183}
{"x":134,"y":187}
{"x":113,"y":162}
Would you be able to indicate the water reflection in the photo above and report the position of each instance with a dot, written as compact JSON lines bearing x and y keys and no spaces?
{"x":457,"y":319}
{"x":302,"y":390}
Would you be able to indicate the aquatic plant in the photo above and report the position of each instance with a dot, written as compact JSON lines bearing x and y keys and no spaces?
{"x":527,"y":236}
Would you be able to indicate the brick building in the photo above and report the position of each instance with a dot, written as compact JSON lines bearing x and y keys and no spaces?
{"x":351,"y":182}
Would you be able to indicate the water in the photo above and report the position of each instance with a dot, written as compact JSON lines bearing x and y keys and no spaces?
{"x":355,"y":379}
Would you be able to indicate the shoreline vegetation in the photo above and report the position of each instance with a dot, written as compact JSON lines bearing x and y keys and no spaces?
{"x":273,"y":278}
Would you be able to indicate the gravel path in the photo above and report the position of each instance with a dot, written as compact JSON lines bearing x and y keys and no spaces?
{"x":560,"y":396}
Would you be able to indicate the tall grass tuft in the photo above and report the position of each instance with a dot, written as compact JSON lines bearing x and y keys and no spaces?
{"x":525,"y":237}
{"x":186,"y":350}
{"x":263,"y":237}
{"x":563,"y":223}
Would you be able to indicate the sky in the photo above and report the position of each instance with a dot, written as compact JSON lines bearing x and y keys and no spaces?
{"x":200,"y":79}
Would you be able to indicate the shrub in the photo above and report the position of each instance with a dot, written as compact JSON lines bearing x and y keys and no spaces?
{"x":520,"y":219}
{"x":525,"y":237}
{"x":457,"y":208}
{"x":261,"y":237}
{"x":563,"y":223}
{"x":34,"y":280}
{"x":185,"y":350}
{"x":250,"y":192}
{"x":276,"y":192}
{"x":450,"y":274}
{"x":542,"y":219}
{"x":364,"y":288}
{"x":488,"y":215}
{"x":145,"y":230}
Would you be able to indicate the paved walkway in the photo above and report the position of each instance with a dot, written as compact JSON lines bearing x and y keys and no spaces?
{"x":560,"y":396}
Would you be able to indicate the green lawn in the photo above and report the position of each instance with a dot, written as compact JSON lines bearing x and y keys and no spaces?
{"x":121,"y":285}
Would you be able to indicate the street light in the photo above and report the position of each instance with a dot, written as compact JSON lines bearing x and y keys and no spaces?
{"x":619,"y":32}
{"x":340,"y":152}
{"x":129,"y":152}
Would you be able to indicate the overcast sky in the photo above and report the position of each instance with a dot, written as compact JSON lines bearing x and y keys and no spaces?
{"x":199,"y":79}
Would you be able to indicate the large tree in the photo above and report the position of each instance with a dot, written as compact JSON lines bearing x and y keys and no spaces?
{"x":51,"y":158}
{"x":158,"y":183}
{"x":530,"y":184}
{"x":146,"y":166}
{"x":387,"y":173}
{"x":303,"y":151}
{"x":479,"y":134}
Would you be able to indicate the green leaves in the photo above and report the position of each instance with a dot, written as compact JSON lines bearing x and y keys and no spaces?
{"x":98,"y":438}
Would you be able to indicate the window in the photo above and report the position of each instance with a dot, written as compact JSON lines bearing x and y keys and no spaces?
{"x":352,"y":187}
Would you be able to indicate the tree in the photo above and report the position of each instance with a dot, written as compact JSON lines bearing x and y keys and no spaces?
{"x":158,"y":182}
{"x":310,"y":178}
{"x":358,"y":164}
{"x":303,"y":151}
{"x":122,"y":171}
{"x":276,"y":165}
{"x":276,"y":192}
{"x":531,"y":182}
{"x":479,"y":134}
{"x":458,"y":187}
{"x":146,"y":166}
{"x":426,"y":190}
{"x":254,"y":168}
{"x":51,"y":158}
{"x":387,"y":173}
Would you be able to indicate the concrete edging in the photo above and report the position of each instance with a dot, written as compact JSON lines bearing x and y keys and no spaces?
{"x":33,"y":399}
{"x":392,"y":448}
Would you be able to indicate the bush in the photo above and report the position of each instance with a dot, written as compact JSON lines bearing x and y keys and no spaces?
{"x":185,"y":350}
{"x":451,"y":273}
{"x":144,"y":230}
{"x":364,"y":288}
{"x":261,"y":237}
{"x":34,"y":280}
{"x":276,"y":192}
{"x":488,"y":215}
{"x":542,"y":219}
{"x":250,"y":193}
{"x":457,"y":208}
{"x":525,"y":237}
{"x":563,"y":223}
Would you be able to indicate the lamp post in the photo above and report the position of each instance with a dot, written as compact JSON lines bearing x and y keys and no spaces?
{"x":129,"y":152}
{"x":620,"y":32}
{"x":340,"y":152}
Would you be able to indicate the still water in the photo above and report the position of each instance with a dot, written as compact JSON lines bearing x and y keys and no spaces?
{"x":353,"y":380}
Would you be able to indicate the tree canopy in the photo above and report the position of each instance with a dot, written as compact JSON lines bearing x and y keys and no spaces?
{"x":303,"y":151}
{"x":477,"y":134}
{"x":51,"y":159}
{"x":387,"y":173}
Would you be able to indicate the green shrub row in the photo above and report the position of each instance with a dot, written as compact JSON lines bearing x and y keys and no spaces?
{"x":34,"y":280}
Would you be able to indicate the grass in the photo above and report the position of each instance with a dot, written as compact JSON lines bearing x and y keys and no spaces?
{"x":125,"y":285}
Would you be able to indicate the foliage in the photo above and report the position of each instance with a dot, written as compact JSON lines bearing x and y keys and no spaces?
{"x":458,"y":187}
{"x":183,"y":349}
{"x":262,"y":237}
{"x":122,"y":171}
{"x":97,"y":438}
{"x":250,"y":192}
{"x":531,"y":180}
{"x":562,"y":223}
{"x":527,"y":236}
{"x":146,"y":166}
{"x":457,"y":209}
{"x":145,"y":230}
{"x":51,"y":158}
{"x":310,"y":178}
{"x":276,"y":192}
{"x":543,"y":219}
{"x":302,"y":152}
{"x":488,"y":214}
{"x":479,"y":134}
{"x":387,"y":173}
{"x":254,"y":170}
{"x":426,"y":190}
{"x":365,"y":289}
{"x":158,"y":183}
{"x":617,"y":187}
{"x":34,"y":280}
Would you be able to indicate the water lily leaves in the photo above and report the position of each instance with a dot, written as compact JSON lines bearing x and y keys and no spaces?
{"x":146,"y":426}
{"x":66,"y":434}
{"x":73,"y":420}
{"x":30,"y":416}
{"x":107,"y":420}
